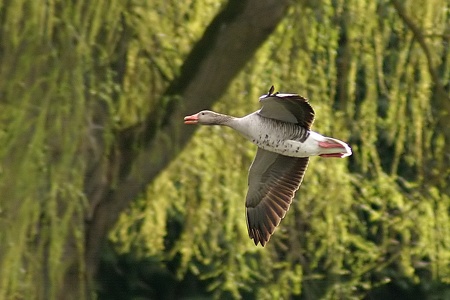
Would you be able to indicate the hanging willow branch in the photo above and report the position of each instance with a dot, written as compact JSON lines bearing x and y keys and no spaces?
{"x":420,"y":37}
{"x":441,"y":99}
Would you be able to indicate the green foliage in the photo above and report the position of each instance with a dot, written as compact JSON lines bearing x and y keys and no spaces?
{"x":347,"y":233}
{"x":66,"y":67}
{"x":47,"y":87}
{"x":357,"y":226}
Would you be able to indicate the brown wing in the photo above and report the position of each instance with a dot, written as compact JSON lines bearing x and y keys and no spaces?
{"x":291,"y":108}
{"x":273,"y":181}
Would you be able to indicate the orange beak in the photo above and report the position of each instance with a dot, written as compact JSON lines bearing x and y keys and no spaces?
{"x":191,"y":119}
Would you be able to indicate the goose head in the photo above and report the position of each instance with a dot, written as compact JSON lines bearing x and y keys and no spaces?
{"x":206,"y":117}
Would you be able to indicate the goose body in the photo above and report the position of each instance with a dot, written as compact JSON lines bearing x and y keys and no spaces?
{"x":281,"y":130}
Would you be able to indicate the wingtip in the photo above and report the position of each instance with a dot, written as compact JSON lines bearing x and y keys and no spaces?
{"x":259,"y":241}
{"x":258,"y":237}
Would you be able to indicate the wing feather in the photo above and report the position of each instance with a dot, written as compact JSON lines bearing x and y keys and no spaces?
{"x":273,"y":181}
{"x":291,"y":108}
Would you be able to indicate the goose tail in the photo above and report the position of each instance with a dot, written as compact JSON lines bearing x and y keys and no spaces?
{"x":331,"y":147}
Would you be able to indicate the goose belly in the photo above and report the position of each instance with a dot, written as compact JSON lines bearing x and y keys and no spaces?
{"x":290,"y":147}
{"x":303,"y":146}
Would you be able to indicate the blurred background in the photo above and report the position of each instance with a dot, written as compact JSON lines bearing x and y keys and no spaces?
{"x":106,"y":194}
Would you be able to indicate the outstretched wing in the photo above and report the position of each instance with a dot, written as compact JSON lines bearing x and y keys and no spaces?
{"x":291,"y":108}
{"x":273,"y":181}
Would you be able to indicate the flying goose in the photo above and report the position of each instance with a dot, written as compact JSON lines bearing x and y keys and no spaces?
{"x":282,"y":131}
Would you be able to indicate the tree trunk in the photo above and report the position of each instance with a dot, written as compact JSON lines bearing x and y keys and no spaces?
{"x":227,"y":44}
